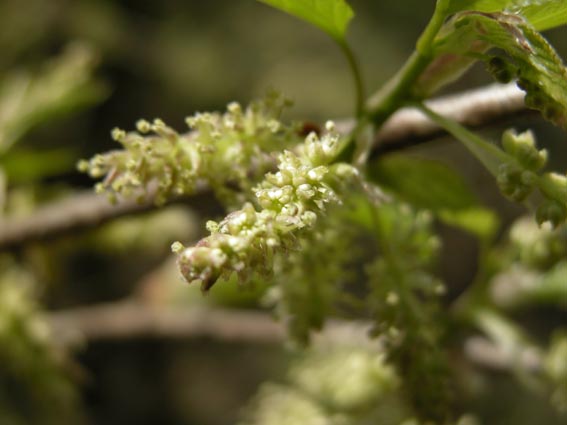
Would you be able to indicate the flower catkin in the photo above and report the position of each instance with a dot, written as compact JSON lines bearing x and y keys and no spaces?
{"x":289,"y":201}
{"x":227,"y":152}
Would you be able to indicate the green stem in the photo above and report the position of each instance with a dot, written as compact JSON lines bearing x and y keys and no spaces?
{"x":357,"y":76}
{"x":399,"y":89}
{"x":397,"y":92}
{"x":487,"y":153}
{"x":436,"y":22}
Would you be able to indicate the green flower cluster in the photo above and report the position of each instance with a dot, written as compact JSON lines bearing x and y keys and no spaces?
{"x":505,"y":69}
{"x":349,"y":379}
{"x":532,"y":267}
{"x":518,"y":178}
{"x":404,"y":301}
{"x":538,"y":247}
{"x":331,"y":385}
{"x":227,"y":152}
{"x":31,"y":373}
{"x":401,"y":275}
{"x":309,"y":284}
{"x":290,"y":200}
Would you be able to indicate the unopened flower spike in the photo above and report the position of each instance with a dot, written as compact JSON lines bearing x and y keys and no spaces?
{"x":520,"y":176}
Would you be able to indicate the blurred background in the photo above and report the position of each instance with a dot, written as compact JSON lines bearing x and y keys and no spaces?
{"x":169,"y":59}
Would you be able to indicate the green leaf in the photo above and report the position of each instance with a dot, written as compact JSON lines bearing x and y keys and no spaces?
{"x":424,"y":183}
{"x":460,"y":44}
{"x":545,"y":14}
{"x":65,"y":85}
{"x":3,"y":186}
{"x":480,"y":5}
{"x":25,"y":166}
{"x":523,"y":55}
{"x":481,"y":222}
{"x":331,"y":16}
{"x":437,"y":187}
{"x":542,"y":14}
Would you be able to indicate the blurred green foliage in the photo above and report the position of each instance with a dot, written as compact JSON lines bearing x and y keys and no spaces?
{"x":34,"y":388}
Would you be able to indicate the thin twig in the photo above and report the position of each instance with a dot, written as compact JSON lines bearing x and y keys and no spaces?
{"x":132,"y":319}
{"x":84,"y":210}
{"x":127,"y":320}
{"x":80,"y":211}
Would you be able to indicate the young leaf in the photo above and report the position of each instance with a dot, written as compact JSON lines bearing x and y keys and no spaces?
{"x":479,"y":5}
{"x":331,"y":16}
{"x":545,"y":14}
{"x":542,"y":14}
{"x":527,"y":57}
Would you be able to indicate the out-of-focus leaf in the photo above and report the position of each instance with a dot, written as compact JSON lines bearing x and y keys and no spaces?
{"x":331,"y":16}
{"x":555,"y":366}
{"x":2,"y":191}
{"x":527,"y":57}
{"x":545,"y":14}
{"x":424,"y":183}
{"x":24,"y":166}
{"x":537,"y":247}
{"x":481,"y":222}
{"x":552,"y":287}
{"x":32,"y":371}
{"x":437,"y":187}
{"x":542,"y":14}
{"x":65,"y":85}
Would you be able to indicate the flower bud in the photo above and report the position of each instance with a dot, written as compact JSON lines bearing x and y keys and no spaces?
{"x":501,"y":70}
{"x":551,"y":211}
{"x":305,"y":191}
{"x":143,"y":126}
{"x":316,"y":174}
{"x":118,"y":134}
{"x":523,"y":148}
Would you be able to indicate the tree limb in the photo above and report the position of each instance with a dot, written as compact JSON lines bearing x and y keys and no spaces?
{"x":474,"y":108}
{"x":132,"y":319}
{"x":408,"y":126}
{"x":126,"y":320}
{"x":80,"y":211}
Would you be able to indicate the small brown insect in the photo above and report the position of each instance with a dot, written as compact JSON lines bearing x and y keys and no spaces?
{"x":309,"y":127}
